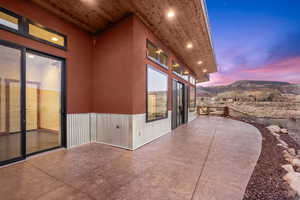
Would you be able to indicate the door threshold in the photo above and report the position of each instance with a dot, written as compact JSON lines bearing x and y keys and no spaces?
{"x":37,"y":154}
{"x":34,"y":155}
{"x":12,"y":163}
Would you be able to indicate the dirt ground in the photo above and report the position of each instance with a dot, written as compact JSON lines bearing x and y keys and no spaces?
{"x":266,"y":182}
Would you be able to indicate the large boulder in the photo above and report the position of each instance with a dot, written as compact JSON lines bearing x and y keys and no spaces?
{"x":295,"y":162}
{"x":282,"y":143}
{"x":289,"y":168}
{"x":274,"y":128}
{"x":287,"y":156}
{"x":284,"y":131}
{"x":292,"y":151}
{"x":293,"y":179}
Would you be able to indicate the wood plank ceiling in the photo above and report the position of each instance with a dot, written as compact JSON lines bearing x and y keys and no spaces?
{"x":188,"y":25}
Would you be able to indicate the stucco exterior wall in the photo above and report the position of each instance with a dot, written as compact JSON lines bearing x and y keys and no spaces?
{"x":112,"y":78}
{"x":78,"y":54}
{"x":140,"y":35}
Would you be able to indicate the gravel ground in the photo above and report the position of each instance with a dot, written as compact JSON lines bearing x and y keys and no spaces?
{"x":266,"y":182}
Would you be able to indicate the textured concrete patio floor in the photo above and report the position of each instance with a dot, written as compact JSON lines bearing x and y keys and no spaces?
{"x":211,"y":158}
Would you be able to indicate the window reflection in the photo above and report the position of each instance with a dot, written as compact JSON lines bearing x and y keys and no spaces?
{"x":179,"y":70}
{"x":9,"y":21}
{"x":10,"y":108}
{"x":43,"y":90}
{"x":192,"y":107}
{"x":48,"y":36}
{"x":192,"y":80}
{"x":157,"y":54}
{"x":157,"y":94}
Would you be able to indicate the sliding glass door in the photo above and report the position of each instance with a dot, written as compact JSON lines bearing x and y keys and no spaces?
{"x":43,"y":102}
{"x":31,"y":102}
{"x":179,"y":105}
{"x":10,"y":103}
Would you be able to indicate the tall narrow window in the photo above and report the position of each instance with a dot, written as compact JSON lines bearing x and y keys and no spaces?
{"x":9,"y":20}
{"x":157,"y":94}
{"x":192,"y":107}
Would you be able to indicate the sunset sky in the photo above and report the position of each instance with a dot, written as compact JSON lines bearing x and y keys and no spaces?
{"x":255,"y":40}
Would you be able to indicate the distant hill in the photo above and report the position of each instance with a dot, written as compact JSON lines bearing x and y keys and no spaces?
{"x":250,"y":85}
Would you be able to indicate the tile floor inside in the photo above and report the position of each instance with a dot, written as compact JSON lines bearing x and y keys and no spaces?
{"x":37,"y":140}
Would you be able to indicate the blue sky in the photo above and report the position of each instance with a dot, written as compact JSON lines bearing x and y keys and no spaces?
{"x":255,"y":40}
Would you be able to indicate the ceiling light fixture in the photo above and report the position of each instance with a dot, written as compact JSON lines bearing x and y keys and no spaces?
{"x":158,"y":51}
{"x":189,"y":45}
{"x":186,"y":72}
{"x":204,"y":70}
{"x":170,"y":14}
{"x":30,"y":56}
{"x":89,"y":2}
{"x":200,"y":62}
{"x":54,"y":39}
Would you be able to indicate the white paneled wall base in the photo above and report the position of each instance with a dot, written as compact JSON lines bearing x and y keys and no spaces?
{"x":114,"y":129}
{"x":93,"y":127}
{"x":121,"y":130}
{"x":144,"y":133}
{"x":78,"y":129}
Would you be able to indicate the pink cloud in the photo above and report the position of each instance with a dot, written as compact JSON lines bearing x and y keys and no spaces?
{"x":287,"y":70}
{"x":291,"y":65}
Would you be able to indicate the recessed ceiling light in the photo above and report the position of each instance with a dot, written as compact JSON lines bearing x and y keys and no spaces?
{"x":189,"y":45}
{"x":158,"y":51}
{"x":89,"y":2}
{"x":170,"y":14}
{"x":54,"y":39}
{"x":30,"y":56}
{"x":186,"y":72}
{"x":204,"y":70}
{"x":200,"y":62}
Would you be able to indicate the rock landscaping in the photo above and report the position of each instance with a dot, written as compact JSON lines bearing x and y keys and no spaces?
{"x":276,"y":175}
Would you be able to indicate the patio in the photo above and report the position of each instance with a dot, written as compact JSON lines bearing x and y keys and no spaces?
{"x":209,"y":158}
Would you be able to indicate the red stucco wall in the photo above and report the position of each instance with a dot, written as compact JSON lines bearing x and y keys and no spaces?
{"x":119,"y":68}
{"x":112,"y":70}
{"x":105,"y":73}
{"x":141,"y":34}
{"x":78,"y":55}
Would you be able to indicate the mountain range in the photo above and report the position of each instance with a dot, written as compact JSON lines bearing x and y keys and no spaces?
{"x":250,"y":85}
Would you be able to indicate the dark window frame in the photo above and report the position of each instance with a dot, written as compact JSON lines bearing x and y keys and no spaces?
{"x":167,"y":76}
{"x":8,"y":12}
{"x":156,"y":60}
{"x":26,"y":30}
{"x":23,"y":30}
{"x":63,"y":99}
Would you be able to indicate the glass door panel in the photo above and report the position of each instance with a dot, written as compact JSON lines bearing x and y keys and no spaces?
{"x":43,"y":103}
{"x":179,"y":104}
{"x":178,"y":109}
{"x":10,"y":103}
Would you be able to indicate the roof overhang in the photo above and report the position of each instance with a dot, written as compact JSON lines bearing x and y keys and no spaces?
{"x":189,"y":25}
{"x":203,"y":78}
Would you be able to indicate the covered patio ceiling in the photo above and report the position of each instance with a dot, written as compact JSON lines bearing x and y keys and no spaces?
{"x":177,"y":23}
